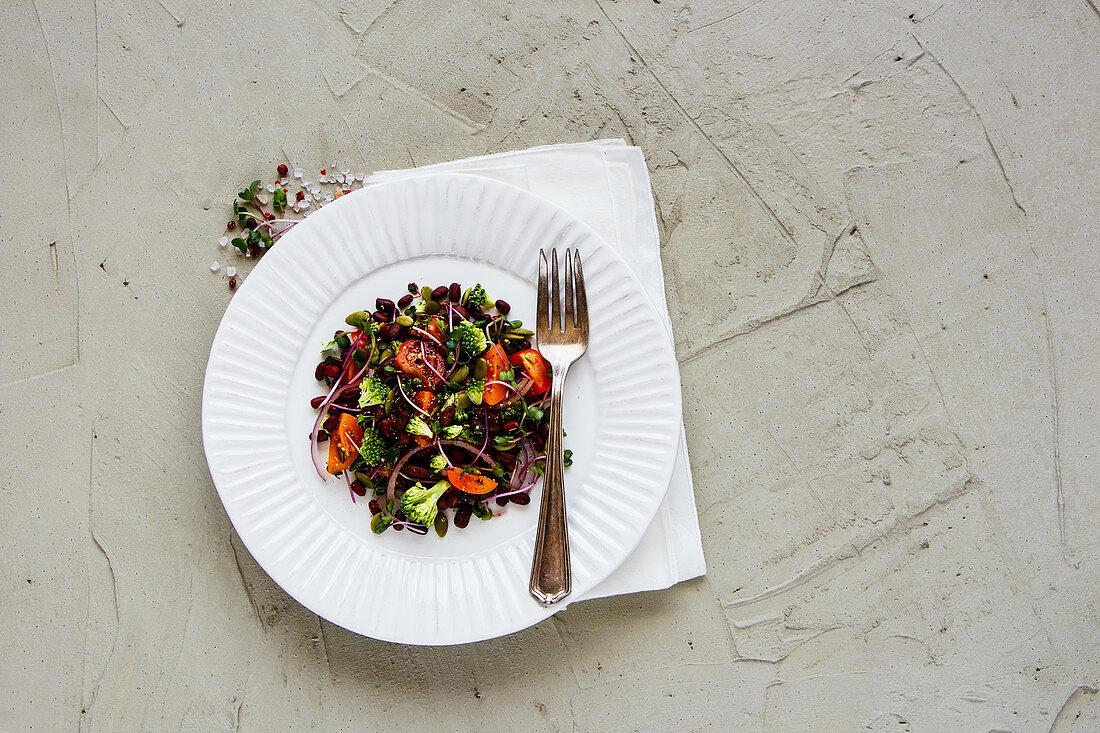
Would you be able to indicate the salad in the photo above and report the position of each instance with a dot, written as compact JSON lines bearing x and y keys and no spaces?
{"x":435,"y":406}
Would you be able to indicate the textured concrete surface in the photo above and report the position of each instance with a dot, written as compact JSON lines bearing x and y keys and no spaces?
{"x":880,"y":229}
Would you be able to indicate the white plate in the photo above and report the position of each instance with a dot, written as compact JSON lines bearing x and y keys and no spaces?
{"x":622,"y":411}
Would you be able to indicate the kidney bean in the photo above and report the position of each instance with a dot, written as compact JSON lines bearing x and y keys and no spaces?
{"x":380,"y":316}
{"x":405,"y":301}
{"x":416,"y":471}
{"x":332,"y":370}
{"x":440,"y":293}
{"x":456,"y":291}
{"x":502,"y":500}
{"x":385,"y":305}
{"x":510,"y":426}
{"x":447,"y":416}
{"x":374,"y":506}
{"x":398,"y":527}
{"x":316,"y":401}
{"x":503,"y":307}
{"x":331,"y":422}
{"x":462,"y":515}
{"x":461,"y":311}
{"x":544,"y":431}
{"x":506,"y":459}
{"x":319,"y":372}
{"x":521,"y":499}
{"x":360,"y":490}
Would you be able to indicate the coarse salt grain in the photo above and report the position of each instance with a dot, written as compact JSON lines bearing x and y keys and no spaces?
{"x":304,"y":204}
{"x":298,"y":173}
{"x":214,"y":266}
{"x":223,"y":241}
{"x":346,"y":171}
{"x":328,"y":197}
{"x":261,"y":198}
{"x":231,"y":271}
{"x":270,"y":187}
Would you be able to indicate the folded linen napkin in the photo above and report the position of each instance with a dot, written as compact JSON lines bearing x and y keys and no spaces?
{"x":605,"y":183}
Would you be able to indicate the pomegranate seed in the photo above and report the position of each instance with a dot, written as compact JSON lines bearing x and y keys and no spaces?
{"x":231,"y":225}
{"x":232,"y":283}
{"x":300,"y":195}
{"x":268,"y":215}
{"x":282,"y":172}
{"x":322,"y":171}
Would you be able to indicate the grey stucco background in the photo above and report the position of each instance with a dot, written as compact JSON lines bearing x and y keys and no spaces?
{"x":879,"y":230}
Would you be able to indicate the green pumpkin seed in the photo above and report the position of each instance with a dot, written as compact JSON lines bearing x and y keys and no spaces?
{"x":441,"y":524}
{"x":404,"y":321}
{"x":461,"y":373}
{"x":481,"y":368}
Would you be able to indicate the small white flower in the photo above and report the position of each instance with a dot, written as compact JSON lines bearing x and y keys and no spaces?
{"x":214,"y":266}
{"x":223,"y":241}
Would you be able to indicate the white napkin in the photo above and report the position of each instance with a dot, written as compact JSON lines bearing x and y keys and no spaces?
{"x":605,"y":183}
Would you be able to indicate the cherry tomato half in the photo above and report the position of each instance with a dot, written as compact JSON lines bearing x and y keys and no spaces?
{"x":421,"y":360}
{"x":470,"y":483}
{"x":535,"y":367}
{"x":343,"y":447}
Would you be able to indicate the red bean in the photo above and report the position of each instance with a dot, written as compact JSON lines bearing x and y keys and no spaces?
{"x":447,"y":416}
{"x":456,"y":291}
{"x":461,"y":311}
{"x":503,"y":307}
{"x":416,"y":471}
{"x":440,"y":293}
{"x":359,"y":489}
{"x":374,"y":506}
{"x":380,"y":317}
{"x":332,"y":371}
{"x":384,"y":304}
{"x":405,"y":301}
{"x":398,"y":527}
{"x":462,"y":515}
{"x":316,"y":401}
{"x":510,"y":426}
{"x":319,"y":372}
{"x":521,"y":499}
{"x":331,"y":422}
{"x":502,"y":500}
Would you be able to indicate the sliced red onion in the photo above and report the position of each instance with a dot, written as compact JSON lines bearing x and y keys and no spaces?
{"x":391,"y":485}
{"x":523,"y":386}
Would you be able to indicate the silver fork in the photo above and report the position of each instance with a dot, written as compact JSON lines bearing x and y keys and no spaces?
{"x":562,"y":339}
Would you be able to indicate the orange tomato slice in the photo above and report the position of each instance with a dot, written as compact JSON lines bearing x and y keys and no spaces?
{"x":470,"y":483}
{"x":343,"y":446}
{"x":498,"y":363}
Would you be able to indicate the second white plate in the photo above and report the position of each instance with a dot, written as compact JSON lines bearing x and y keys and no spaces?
{"x":622,"y":410}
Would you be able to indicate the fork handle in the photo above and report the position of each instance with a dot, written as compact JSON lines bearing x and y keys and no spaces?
{"x":551,"y":575}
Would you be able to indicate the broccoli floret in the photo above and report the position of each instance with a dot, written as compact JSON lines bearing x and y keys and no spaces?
{"x":438,"y":463}
{"x":470,"y":338}
{"x":475,"y":390}
{"x":451,"y":432}
{"x":417,"y":426}
{"x":476,"y":296}
{"x":373,"y":452}
{"x":373,"y":392}
{"x":419,"y":504}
